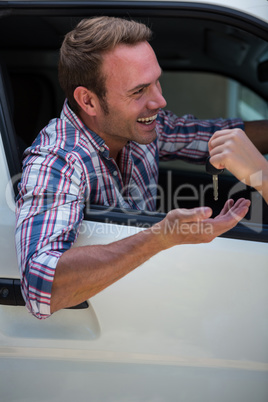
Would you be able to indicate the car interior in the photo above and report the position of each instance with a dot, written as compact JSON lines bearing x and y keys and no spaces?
{"x":205,"y":56}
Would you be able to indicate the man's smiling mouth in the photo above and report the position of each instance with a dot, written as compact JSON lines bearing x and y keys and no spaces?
{"x":147,"y":120}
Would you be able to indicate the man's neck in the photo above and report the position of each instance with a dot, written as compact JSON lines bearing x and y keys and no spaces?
{"x":115,"y":145}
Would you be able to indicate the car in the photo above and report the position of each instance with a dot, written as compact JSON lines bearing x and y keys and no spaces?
{"x":190,"y":324}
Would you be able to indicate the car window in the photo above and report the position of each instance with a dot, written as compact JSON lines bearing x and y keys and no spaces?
{"x":182,"y":49}
{"x":246,"y":104}
{"x":208,"y":95}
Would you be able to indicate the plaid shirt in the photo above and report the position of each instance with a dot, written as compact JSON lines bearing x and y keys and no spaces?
{"x":68,"y":165}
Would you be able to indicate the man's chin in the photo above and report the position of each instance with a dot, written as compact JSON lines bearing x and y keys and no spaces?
{"x":147,"y":138}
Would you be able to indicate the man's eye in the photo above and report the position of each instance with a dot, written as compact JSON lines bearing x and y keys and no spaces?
{"x":139,"y":91}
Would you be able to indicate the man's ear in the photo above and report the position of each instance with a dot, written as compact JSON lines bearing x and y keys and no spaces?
{"x":86,"y":100}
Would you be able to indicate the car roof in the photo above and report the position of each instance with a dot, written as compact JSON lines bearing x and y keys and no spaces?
{"x":255,"y":8}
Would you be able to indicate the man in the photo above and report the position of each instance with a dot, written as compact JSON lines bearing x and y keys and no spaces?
{"x":104,"y":149}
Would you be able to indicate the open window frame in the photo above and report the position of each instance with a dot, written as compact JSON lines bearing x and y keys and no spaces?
{"x":158,"y":16}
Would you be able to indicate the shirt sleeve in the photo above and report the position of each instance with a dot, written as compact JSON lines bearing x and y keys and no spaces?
{"x":187,"y":137}
{"x":49,"y":211}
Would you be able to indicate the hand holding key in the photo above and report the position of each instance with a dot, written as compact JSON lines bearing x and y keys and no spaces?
{"x":214,"y":172}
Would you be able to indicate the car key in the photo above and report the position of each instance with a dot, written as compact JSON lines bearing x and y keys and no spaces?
{"x":214,"y":172}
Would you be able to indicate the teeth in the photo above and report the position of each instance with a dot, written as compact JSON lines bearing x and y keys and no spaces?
{"x":147,"y":120}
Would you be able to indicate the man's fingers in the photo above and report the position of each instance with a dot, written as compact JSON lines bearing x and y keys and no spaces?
{"x":191,"y":226}
{"x":229,"y":218}
{"x":227,"y":206}
{"x":240,"y":209}
{"x":192,"y":215}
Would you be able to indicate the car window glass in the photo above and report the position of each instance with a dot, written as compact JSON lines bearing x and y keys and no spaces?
{"x":209,"y":96}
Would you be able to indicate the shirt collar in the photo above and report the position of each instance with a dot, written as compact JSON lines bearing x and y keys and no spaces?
{"x":68,"y":114}
{"x":98,"y":143}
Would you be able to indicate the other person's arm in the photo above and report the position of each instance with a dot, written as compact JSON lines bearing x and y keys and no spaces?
{"x":233,"y":150}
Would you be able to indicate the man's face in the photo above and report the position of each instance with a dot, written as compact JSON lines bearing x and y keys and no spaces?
{"x":133,"y":96}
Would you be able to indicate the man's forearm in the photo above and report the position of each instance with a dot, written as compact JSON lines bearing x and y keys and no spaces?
{"x":84,"y":271}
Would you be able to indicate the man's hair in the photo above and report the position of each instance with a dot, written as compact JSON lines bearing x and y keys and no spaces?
{"x":82,"y":50}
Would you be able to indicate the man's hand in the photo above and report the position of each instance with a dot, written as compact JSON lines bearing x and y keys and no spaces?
{"x":192,"y":226}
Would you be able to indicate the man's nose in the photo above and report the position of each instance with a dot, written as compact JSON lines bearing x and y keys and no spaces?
{"x":157,"y":101}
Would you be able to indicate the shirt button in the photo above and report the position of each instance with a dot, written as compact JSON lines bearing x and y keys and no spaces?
{"x":102,"y":149}
{"x":115,"y":173}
